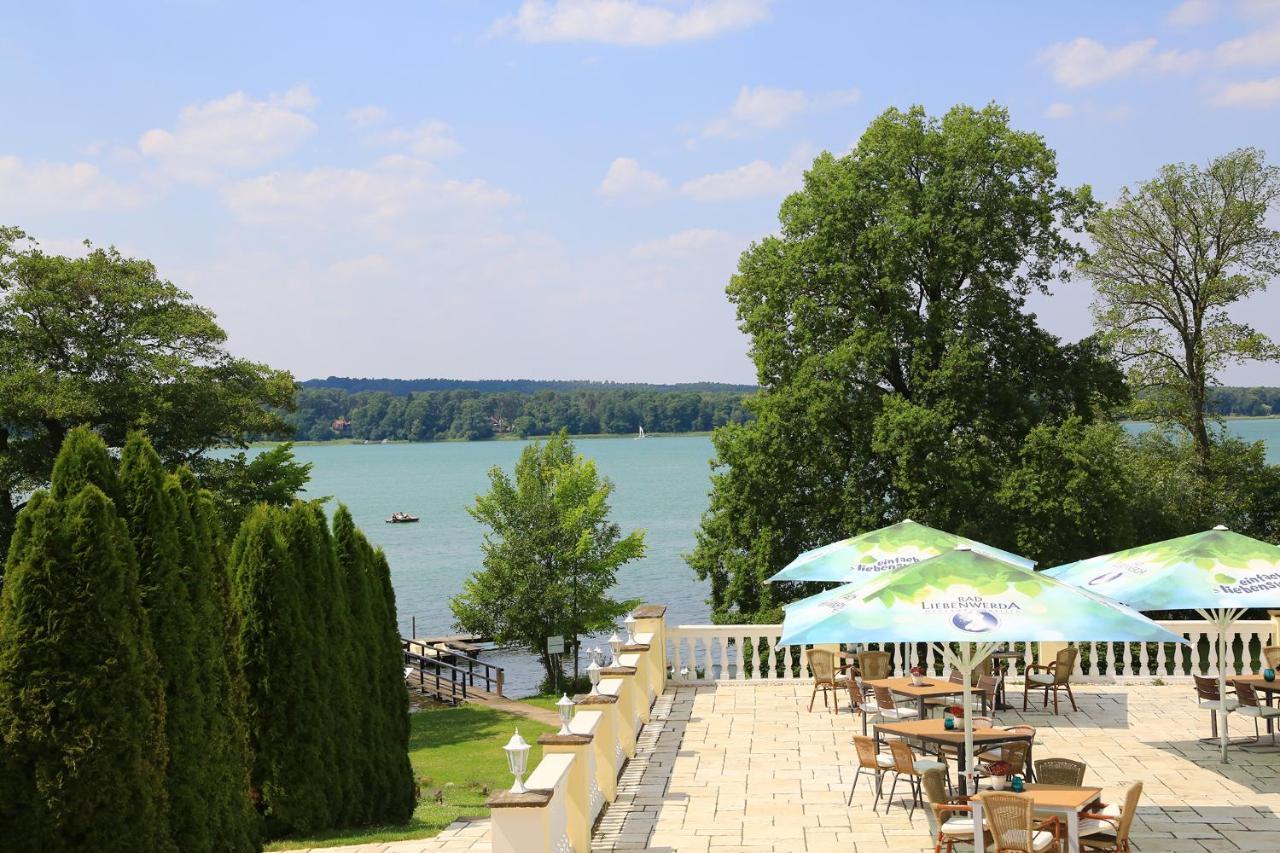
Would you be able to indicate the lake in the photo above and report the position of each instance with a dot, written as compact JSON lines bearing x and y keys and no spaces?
{"x":662,"y":485}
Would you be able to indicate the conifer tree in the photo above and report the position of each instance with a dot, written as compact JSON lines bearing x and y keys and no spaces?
{"x":81,"y":722}
{"x":388,"y":667}
{"x":84,"y":459}
{"x":287,"y":735}
{"x":354,"y":554}
{"x":155,"y":529}
{"x":232,"y":822}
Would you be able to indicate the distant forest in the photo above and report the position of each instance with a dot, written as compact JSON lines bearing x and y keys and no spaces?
{"x":437,"y":409}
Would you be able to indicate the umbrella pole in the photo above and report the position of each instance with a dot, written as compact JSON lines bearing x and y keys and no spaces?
{"x":968,"y":658}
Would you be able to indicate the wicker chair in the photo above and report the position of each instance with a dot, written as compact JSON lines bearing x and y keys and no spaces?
{"x":955,"y":678}
{"x":1104,"y":831}
{"x":1006,"y":753}
{"x":871,"y":761}
{"x":1207,"y":696}
{"x":1251,"y":707}
{"x":1271,"y":654}
{"x":906,"y":764}
{"x":887,"y":709}
{"x":873,"y":665}
{"x":827,"y":677}
{"x":1056,"y":676}
{"x":1060,"y":771}
{"x":949,"y":823}
{"x":1013,"y":825}
{"x":1015,"y":754}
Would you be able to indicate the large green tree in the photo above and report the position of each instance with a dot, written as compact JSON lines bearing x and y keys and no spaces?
{"x":900,"y":374}
{"x":551,"y":554}
{"x":104,"y":340}
{"x":1173,"y":257}
{"x":82,"y":721}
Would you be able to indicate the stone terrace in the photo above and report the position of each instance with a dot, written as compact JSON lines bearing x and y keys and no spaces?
{"x":746,"y":766}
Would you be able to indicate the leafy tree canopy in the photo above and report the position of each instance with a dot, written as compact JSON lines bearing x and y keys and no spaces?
{"x":104,"y":340}
{"x":899,"y":373}
{"x":551,"y":554}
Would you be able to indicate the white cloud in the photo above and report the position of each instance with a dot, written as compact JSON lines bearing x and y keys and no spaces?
{"x":232,"y":133}
{"x":394,"y":188}
{"x":1059,"y":110}
{"x":59,"y":187}
{"x":755,"y":179}
{"x":1190,"y":13}
{"x":1256,"y":48}
{"x":1260,"y":8}
{"x":1085,"y":61}
{"x":683,"y":243}
{"x":1254,"y":93}
{"x":1175,"y":61}
{"x":626,"y":177}
{"x":767,"y":108}
{"x":630,"y":22}
{"x":432,"y":140}
{"x":366,"y":115}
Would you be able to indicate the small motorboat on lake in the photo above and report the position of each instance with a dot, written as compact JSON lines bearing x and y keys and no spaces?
{"x":402,"y":518}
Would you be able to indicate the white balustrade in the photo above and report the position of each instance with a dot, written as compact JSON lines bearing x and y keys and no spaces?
{"x":708,"y":653}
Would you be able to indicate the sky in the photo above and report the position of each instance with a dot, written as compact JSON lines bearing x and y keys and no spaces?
{"x":558,"y":188}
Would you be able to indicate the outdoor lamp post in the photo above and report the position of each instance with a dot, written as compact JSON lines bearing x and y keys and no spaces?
{"x":517,"y":751}
{"x":593,"y":672}
{"x":565,"y":707}
{"x":615,"y":645}
{"x":630,"y":622}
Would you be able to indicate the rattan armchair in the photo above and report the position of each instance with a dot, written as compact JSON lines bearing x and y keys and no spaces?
{"x":1054,"y":677}
{"x":1014,"y":828}
{"x":872,"y":761}
{"x":1060,"y":771}
{"x":949,"y":823}
{"x":827,"y":677}
{"x":1207,"y":696}
{"x":1103,"y":831}
{"x":1271,"y":654}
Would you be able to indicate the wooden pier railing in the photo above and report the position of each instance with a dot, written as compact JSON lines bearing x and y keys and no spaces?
{"x":447,"y":676}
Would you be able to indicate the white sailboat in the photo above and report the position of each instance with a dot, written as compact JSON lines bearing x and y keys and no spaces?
{"x":641,"y":435}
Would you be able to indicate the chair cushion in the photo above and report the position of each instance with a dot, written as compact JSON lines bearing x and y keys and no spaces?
{"x":1258,"y":711}
{"x":1089,"y":826}
{"x":958,"y":826}
{"x":1212,"y":704}
{"x":884,"y":761}
{"x":1040,"y":677}
{"x":1041,"y":841}
{"x":924,"y":765}
{"x":899,"y":713}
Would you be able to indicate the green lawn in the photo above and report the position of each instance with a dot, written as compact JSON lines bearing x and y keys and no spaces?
{"x":457,"y":758}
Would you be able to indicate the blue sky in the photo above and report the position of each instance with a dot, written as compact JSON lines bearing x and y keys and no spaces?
{"x":557,"y":189}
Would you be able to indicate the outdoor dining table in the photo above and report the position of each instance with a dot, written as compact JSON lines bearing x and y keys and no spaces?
{"x":1063,"y":801}
{"x":936,"y":732}
{"x":931,"y":688}
{"x":1268,"y":689}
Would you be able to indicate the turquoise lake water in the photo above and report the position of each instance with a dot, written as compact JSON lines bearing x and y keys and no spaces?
{"x":662,"y":485}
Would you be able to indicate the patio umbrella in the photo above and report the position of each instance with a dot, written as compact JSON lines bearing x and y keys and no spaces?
{"x":1217,"y":573}
{"x":968,"y":598}
{"x":862,"y":557}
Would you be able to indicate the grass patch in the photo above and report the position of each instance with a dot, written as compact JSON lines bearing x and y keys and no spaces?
{"x":457,"y":759}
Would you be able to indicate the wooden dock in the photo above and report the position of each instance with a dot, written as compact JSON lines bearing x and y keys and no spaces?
{"x":448,"y":669}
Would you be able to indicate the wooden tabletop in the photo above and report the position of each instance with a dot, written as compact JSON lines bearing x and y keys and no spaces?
{"x":1053,"y":796}
{"x":936,"y":730}
{"x":931,"y":686}
{"x":1257,"y":682}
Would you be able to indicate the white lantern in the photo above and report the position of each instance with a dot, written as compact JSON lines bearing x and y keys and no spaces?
{"x":593,"y":673}
{"x":565,"y":707}
{"x":517,"y":751}
{"x":615,"y":645}
{"x":630,"y":622}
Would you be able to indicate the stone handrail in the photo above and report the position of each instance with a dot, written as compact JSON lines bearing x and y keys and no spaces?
{"x":705,"y":653}
{"x":578,"y":775}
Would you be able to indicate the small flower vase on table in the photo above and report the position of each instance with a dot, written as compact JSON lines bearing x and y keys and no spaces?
{"x":999,"y":772}
{"x":1268,"y":674}
{"x":917,"y":676}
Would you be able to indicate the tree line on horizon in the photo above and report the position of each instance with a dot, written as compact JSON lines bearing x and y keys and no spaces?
{"x":324,"y":413}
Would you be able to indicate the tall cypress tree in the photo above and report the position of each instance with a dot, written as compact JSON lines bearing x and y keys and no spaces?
{"x":84,"y":459}
{"x":354,"y":558}
{"x":155,"y":529}
{"x":388,"y":666}
{"x":82,"y":722}
{"x":287,"y":734}
{"x":232,"y":821}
